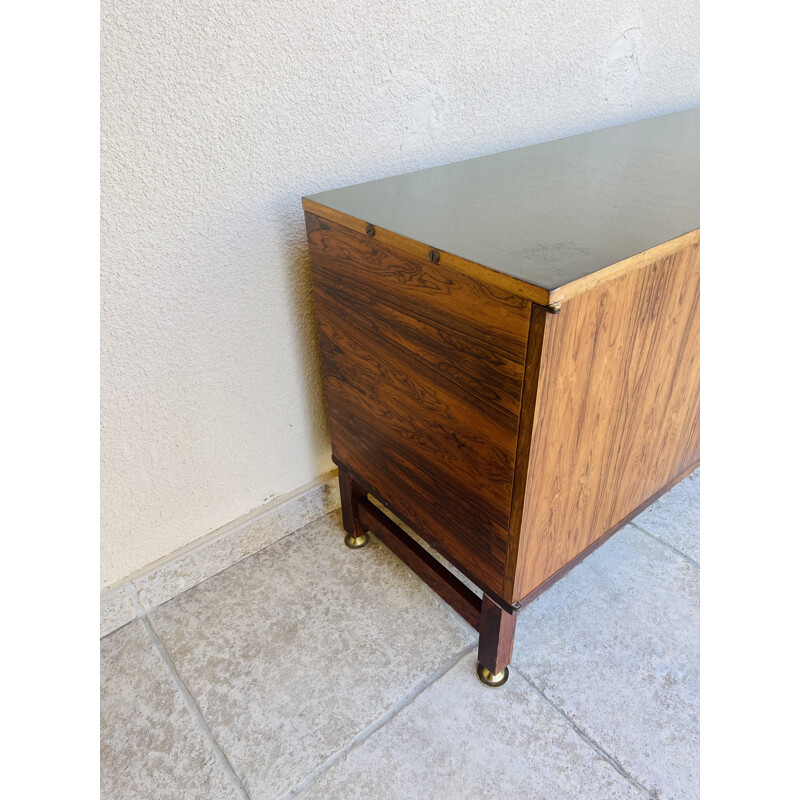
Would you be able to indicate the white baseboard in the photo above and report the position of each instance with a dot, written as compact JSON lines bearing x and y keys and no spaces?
{"x":169,"y":577}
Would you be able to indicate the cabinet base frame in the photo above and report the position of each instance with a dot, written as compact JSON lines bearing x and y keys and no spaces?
{"x":494,"y":624}
{"x":495,"y":621}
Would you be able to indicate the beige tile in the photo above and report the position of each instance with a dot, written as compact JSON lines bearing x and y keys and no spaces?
{"x":675,"y":517}
{"x":150,"y":746}
{"x":293,"y":652}
{"x":615,"y":645}
{"x":460,"y":739}
{"x":174,"y":577}
{"x":116,"y":609}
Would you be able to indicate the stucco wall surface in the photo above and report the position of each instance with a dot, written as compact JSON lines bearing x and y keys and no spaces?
{"x":217,"y":116}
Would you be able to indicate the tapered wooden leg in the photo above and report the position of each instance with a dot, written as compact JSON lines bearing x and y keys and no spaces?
{"x":350,"y":491}
{"x":496,"y":643}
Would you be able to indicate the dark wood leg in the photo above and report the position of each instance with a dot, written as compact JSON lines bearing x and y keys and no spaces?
{"x":351,"y":492}
{"x":496,"y":643}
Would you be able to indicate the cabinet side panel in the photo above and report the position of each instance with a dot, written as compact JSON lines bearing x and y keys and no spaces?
{"x":423,"y":371}
{"x":617,"y":413}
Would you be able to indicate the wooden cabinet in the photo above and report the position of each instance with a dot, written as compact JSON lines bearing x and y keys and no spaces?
{"x":510,"y":355}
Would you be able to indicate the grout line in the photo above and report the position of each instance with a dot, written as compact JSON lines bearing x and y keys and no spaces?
{"x":585,"y":736}
{"x":194,"y":710}
{"x":315,"y":774}
{"x":130,"y":590}
{"x":666,"y":544}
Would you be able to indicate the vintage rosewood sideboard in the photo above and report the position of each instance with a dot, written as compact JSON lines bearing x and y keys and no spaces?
{"x":510,"y":356}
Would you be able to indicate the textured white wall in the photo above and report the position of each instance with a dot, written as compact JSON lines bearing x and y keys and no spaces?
{"x":217,"y":116}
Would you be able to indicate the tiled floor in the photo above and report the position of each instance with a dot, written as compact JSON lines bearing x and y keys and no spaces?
{"x":314,"y":671}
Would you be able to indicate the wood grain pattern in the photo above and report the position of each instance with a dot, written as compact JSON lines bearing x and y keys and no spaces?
{"x":617,"y":411}
{"x":423,"y":374}
{"x":420,"y":250}
{"x":557,"y":576}
{"x":533,"y":359}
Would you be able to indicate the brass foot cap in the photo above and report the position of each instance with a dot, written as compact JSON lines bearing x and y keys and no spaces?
{"x":489,"y":678}
{"x":356,"y":542}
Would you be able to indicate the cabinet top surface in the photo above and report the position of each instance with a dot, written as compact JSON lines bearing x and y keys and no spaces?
{"x":550,"y":213}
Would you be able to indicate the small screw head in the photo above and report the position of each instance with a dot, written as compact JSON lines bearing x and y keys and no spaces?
{"x":433,"y":256}
{"x":370,"y":231}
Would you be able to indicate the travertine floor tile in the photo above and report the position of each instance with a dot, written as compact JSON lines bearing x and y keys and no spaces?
{"x":116,"y":610}
{"x":615,"y":645}
{"x":291,"y":653}
{"x":675,"y":517}
{"x":150,"y":746}
{"x":460,"y":739}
